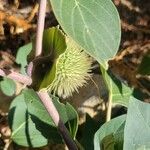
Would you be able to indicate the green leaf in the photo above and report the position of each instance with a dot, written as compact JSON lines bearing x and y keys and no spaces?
{"x":66,"y":112}
{"x":8,"y":86}
{"x":110,"y":135}
{"x":144,"y":67}
{"x":31,"y":126}
{"x":95,"y":25}
{"x":72,"y":122}
{"x":53,"y":42}
{"x":22,"y":54}
{"x":24,"y":131}
{"x":118,"y":91}
{"x":137,"y":127}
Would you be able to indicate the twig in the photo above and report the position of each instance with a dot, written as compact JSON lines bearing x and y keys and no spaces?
{"x":51,"y":109}
{"x":40,"y":27}
{"x":44,"y":97}
{"x":16,"y":76}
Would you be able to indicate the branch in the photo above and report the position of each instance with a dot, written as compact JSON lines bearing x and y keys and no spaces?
{"x":44,"y":97}
{"x":40,"y":27}
{"x":16,"y":76}
{"x":51,"y":109}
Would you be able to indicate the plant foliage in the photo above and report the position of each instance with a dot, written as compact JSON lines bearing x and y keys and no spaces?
{"x":95,"y":25}
{"x":33,"y":126}
{"x":91,"y":26}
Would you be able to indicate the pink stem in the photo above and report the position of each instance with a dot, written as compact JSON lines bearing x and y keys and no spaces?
{"x":51,"y":109}
{"x":40,"y":27}
{"x":16,"y":76}
{"x":44,"y":97}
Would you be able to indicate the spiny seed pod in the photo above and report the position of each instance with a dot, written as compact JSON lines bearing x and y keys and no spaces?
{"x":73,"y":69}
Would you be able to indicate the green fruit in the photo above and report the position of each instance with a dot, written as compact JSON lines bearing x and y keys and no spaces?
{"x":72,"y":70}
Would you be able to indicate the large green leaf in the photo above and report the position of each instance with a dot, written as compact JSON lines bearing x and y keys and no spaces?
{"x":93,"y":24}
{"x":22,"y":54}
{"x":37,"y":109}
{"x":137,"y":128}
{"x":119,"y":93}
{"x":32,"y":126}
{"x":8,"y":87}
{"x":110,"y":135}
{"x":24,"y":131}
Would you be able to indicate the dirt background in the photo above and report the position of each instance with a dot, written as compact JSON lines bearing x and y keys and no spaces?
{"x":18,"y":24}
